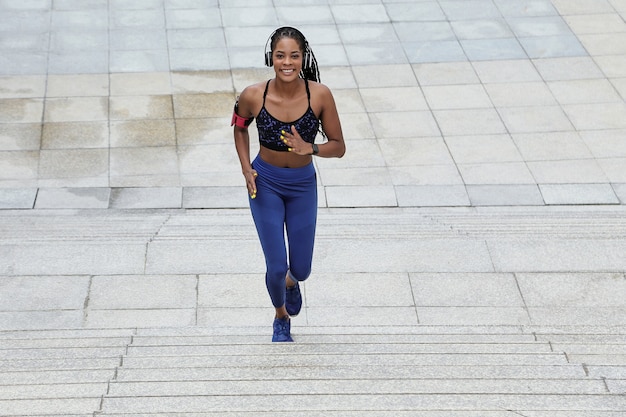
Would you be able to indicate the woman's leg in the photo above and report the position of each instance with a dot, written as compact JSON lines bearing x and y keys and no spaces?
{"x":268,"y":212}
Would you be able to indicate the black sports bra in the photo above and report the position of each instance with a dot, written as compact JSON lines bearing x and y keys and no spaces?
{"x":269,"y":127}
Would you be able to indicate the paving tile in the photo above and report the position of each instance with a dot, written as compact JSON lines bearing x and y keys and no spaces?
{"x":136,"y":39}
{"x":482,"y":29}
{"x":242,"y":289}
{"x":75,"y":135}
{"x":74,"y":163}
{"x":384,"y":76}
{"x":526,"y":8}
{"x":597,"y":116}
{"x":142,"y":133}
{"x":24,"y":86}
{"x":366,"y":154}
{"x":567,"y":68}
{"x":140,"y":84}
{"x":82,"y":62}
{"x":32,"y":293}
{"x":604,"y":44}
{"x":354,"y":176}
{"x":17,"y":198}
{"x":446,"y":174}
{"x":454,"y":195}
{"x":493,"y":49}
{"x":374,"y":54}
{"x":367,"y":13}
{"x":358,"y":196}
{"x":115,"y":319}
{"x":434,"y":51}
{"x":535,"y":119}
{"x":20,"y":136}
{"x":507,"y":173}
{"x":21,"y":110}
{"x":199,"y":59}
{"x":465,"y":96}
{"x":201,"y":82}
{"x":253,"y":316}
{"x":567,"y":171}
{"x":76,"y":109}
{"x":520,"y":94}
{"x":142,"y":292}
{"x":25,"y":320}
{"x":487,"y":148}
{"x":584,"y":91}
{"x":141,"y":107}
{"x":578,"y":194}
{"x":620,"y":192}
{"x":204,"y":131}
{"x":573,"y":289}
{"x":605,"y":143}
{"x":469,"y":290}
{"x":214,"y":197}
{"x":596,"y":23}
{"x":505,"y":195}
{"x":415,"y":151}
{"x":395,"y":124}
{"x":367,"y":290}
{"x":367,"y":32}
{"x":471,"y":315}
{"x":203,"y":105}
{"x":420,"y":11}
{"x":581,"y":6}
{"x":370,"y":316}
{"x":77,"y":85}
{"x":552,"y":146}
{"x":143,"y":161}
{"x":146,"y":198}
{"x":192,"y":18}
{"x":469,"y":122}
{"x":614,"y":168}
{"x":445,"y":73}
{"x":86,"y":198}
{"x":576,"y":315}
{"x":507,"y":71}
{"x":466,"y":10}
{"x":153,"y":60}
{"x":613,"y":65}
{"x":19,"y":165}
{"x":538,"y":255}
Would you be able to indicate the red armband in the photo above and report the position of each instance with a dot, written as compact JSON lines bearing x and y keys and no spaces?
{"x":238,"y":120}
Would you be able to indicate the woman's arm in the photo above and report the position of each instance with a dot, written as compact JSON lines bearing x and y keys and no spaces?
{"x":335,"y":147}
{"x":242,"y":141}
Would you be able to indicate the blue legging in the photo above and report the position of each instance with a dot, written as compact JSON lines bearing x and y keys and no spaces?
{"x":286,"y":200}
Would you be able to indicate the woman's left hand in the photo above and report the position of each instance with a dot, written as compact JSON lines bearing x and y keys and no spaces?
{"x":295,"y":142}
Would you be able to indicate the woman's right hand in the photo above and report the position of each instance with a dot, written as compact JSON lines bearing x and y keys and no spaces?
{"x":250,"y":176}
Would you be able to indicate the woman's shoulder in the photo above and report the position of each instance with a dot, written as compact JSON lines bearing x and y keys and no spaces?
{"x":254,"y":89}
{"x":321,"y":92}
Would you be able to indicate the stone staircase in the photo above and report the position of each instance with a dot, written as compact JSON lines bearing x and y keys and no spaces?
{"x":365,"y":371}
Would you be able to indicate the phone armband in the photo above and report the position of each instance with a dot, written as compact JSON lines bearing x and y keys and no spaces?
{"x":238,"y":120}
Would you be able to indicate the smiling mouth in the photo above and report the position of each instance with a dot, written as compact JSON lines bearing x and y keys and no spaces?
{"x":287,"y":71}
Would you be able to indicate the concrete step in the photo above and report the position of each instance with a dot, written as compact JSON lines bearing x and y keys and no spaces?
{"x":329,"y":371}
{"x":111,"y":225}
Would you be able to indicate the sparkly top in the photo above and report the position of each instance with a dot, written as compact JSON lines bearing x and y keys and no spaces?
{"x":269,"y":127}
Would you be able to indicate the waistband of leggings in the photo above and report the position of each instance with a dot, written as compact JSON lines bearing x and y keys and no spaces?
{"x":294,"y":174}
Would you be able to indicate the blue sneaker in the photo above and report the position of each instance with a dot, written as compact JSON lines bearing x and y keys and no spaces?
{"x":282,"y":330}
{"x":293,"y":300}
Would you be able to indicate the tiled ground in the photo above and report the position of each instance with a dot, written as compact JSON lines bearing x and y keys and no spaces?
{"x":443,"y":103}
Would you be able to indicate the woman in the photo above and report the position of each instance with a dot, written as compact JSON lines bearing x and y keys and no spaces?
{"x":282,"y":185}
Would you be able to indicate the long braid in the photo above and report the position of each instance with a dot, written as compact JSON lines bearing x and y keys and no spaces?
{"x":310,"y":70}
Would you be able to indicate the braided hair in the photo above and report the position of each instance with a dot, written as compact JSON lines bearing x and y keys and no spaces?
{"x":310,"y":70}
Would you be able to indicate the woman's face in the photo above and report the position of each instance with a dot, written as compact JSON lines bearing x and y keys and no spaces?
{"x":287,"y":58}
